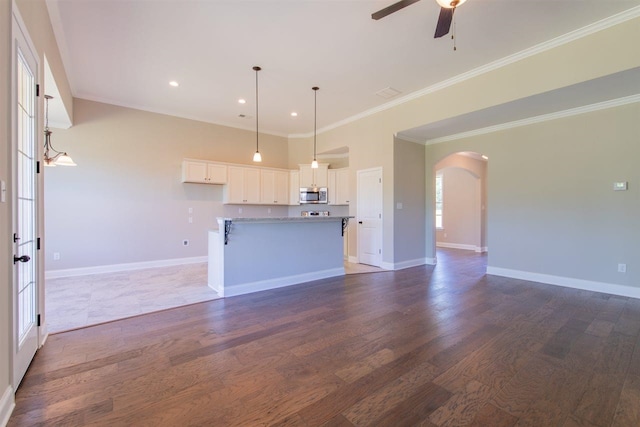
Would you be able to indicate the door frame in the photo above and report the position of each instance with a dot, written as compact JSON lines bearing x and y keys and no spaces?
{"x":20,"y":35}
{"x":359,"y":199}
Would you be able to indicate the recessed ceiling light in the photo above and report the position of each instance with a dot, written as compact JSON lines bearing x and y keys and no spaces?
{"x":242,"y":101}
{"x":174,"y":83}
{"x":294,"y":114}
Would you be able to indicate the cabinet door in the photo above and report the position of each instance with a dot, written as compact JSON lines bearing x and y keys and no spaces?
{"x":194,"y":171}
{"x":294,"y":188}
{"x":235,"y":185}
{"x":306,"y":176}
{"x":252,"y":186}
{"x":281,"y":188}
{"x":216,"y":174}
{"x":321,"y":178}
{"x":342,"y":186}
{"x":332,"y":191}
{"x":267,"y":187}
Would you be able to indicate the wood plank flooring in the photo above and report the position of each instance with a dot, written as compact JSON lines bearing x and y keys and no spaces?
{"x":427,"y":346}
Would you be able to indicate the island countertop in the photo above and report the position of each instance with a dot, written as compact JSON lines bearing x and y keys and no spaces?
{"x":285,"y":218}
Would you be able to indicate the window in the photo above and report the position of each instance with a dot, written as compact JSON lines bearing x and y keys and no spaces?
{"x":439,"y":201}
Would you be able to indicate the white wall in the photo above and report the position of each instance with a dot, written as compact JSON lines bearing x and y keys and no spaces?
{"x":461,"y":209}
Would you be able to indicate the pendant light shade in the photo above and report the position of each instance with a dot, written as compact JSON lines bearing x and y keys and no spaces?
{"x":314,"y":163}
{"x":53,"y":157}
{"x":256,"y":156}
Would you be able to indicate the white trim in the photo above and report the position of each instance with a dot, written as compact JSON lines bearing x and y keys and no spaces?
{"x":587,"y":30}
{"x":482,"y":249}
{"x":386,"y":265}
{"x":280,"y":282}
{"x":457,"y":246}
{"x":114,"y":268}
{"x":413,"y":263}
{"x":7,"y":403}
{"x":538,"y":119}
{"x":569,"y":282}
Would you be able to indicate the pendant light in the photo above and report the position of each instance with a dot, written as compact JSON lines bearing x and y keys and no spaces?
{"x":314,"y":164}
{"x":58,"y":158}
{"x":256,"y":156}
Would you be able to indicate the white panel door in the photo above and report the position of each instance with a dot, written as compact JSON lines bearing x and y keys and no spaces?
{"x":24,"y":198}
{"x":369,"y":216}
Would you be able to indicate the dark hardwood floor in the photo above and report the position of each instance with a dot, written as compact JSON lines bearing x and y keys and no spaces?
{"x":443,"y":346}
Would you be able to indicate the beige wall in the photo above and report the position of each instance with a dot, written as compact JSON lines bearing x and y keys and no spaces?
{"x":465,"y":220}
{"x":125,"y":201}
{"x":552,"y":208}
{"x":5,"y":208}
{"x":370,"y":139}
{"x":409,"y":192}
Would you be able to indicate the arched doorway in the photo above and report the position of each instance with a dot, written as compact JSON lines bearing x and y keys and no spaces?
{"x":460,"y":220}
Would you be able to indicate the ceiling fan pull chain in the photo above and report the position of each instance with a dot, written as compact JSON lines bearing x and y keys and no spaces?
{"x":453,"y":33}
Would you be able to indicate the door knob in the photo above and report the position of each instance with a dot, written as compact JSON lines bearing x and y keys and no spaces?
{"x":23,"y":258}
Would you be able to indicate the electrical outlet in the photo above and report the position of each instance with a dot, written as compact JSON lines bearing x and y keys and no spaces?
{"x":268,"y":210}
{"x":190,"y":210}
{"x":185,"y":242}
{"x":190,"y":220}
{"x":56,"y":256}
{"x":239,"y":210}
{"x":622,"y":268}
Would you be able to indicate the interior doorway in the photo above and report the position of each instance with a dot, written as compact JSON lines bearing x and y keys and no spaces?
{"x":461,"y":202}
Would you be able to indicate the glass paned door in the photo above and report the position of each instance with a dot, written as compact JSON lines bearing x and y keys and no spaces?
{"x":25,"y":209}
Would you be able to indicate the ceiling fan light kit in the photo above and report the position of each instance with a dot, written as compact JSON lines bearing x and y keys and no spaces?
{"x":447,"y":7}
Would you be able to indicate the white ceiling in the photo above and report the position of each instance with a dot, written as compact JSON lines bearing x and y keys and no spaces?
{"x":125,"y":52}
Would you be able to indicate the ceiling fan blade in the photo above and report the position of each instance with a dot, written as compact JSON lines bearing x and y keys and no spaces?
{"x":393,"y":8}
{"x":444,"y":21}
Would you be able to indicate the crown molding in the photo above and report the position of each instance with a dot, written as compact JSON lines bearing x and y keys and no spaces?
{"x":538,"y":119}
{"x":587,"y":30}
{"x":409,"y":139}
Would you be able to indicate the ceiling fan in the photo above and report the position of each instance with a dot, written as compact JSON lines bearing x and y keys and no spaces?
{"x":444,"y":20}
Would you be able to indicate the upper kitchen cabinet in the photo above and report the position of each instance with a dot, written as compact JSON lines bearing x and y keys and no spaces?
{"x":243,"y":186}
{"x":274,"y":187}
{"x":310,"y":177}
{"x":202,"y":172}
{"x":338,"y":187}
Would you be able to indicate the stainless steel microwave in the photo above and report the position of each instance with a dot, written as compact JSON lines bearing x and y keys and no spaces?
{"x":313,"y":195}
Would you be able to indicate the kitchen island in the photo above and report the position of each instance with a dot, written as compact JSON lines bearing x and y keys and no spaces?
{"x":254,"y":254}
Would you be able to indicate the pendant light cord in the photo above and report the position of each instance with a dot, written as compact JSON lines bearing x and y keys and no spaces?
{"x":315,"y":118}
{"x":257,"y":69}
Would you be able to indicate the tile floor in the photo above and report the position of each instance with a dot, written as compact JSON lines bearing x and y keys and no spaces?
{"x":77,"y":302}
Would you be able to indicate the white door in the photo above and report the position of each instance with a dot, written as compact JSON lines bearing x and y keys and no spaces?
{"x":25,"y":150}
{"x":369,"y":216}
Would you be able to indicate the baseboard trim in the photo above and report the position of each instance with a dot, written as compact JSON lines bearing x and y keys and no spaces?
{"x":457,"y":246}
{"x":353,"y":259}
{"x":482,"y":249}
{"x":115,"y":268}
{"x":413,"y":263}
{"x":280,"y":282}
{"x":569,"y":282}
{"x":7,"y":403}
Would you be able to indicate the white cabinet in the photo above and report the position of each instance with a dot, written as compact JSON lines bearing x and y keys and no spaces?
{"x":294,"y":187}
{"x":274,"y":187}
{"x":338,"y":187}
{"x":243,"y":186}
{"x":203,"y":172}
{"x":310,"y":177}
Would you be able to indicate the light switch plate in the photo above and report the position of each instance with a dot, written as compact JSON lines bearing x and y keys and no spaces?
{"x":3,"y":191}
{"x":620,"y":186}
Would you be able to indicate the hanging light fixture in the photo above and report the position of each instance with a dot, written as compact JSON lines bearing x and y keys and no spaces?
{"x":256,"y":156}
{"x":314,"y":164}
{"x":58,"y":158}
